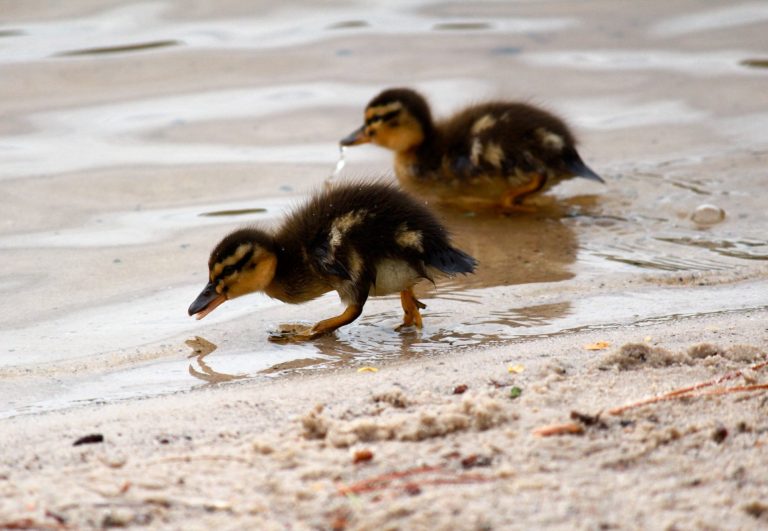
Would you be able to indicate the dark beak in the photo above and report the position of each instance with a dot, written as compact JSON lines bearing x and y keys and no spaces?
{"x":206,"y":302}
{"x":356,"y":137}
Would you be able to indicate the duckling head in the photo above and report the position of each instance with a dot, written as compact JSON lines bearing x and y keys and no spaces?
{"x":398,"y":119}
{"x":243,"y":262}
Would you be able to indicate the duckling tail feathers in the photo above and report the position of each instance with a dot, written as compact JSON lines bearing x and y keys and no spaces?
{"x":576,"y":166}
{"x":450,"y":260}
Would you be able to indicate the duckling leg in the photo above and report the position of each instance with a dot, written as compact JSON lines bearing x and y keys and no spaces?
{"x":411,"y":307}
{"x":512,"y":198}
{"x":327,"y":326}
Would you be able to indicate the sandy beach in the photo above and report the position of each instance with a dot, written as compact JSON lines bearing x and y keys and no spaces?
{"x":135,"y":135}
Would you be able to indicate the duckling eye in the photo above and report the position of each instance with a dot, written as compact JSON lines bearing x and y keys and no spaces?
{"x":228,"y":270}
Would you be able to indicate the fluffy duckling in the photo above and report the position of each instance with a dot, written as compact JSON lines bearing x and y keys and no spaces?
{"x":490,"y":153}
{"x":360,"y":239}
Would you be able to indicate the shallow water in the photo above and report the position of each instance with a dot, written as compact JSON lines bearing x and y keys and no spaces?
{"x":134,"y":137}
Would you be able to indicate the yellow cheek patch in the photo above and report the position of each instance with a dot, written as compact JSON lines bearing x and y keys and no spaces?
{"x":216,"y":271}
{"x":253,"y":280}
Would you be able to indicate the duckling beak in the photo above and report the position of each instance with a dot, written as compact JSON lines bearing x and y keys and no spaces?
{"x":206,"y":302}
{"x":356,"y":137}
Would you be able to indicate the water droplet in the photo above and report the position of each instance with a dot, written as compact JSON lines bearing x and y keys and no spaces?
{"x":708,"y":215}
{"x":339,"y":166}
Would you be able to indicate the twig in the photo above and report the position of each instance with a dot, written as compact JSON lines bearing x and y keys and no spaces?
{"x":30,"y":523}
{"x":689,"y":392}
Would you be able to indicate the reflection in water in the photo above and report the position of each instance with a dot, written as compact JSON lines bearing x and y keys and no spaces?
{"x":529,"y":316}
{"x":376,"y":343}
{"x":201,"y":347}
{"x":511,"y":250}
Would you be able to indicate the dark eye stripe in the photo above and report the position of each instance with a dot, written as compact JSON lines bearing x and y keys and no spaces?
{"x":382,"y":118}
{"x":228,"y":270}
{"x":388,"y":116}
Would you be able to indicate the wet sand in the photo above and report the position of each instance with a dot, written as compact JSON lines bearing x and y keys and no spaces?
{"x":126,"y":126}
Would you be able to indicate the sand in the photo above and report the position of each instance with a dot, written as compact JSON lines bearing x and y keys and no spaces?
{"x":283,"y":454}
{"x":135,"y":135}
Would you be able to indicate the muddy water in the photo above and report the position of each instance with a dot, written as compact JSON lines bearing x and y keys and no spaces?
{"x":134,"y":136}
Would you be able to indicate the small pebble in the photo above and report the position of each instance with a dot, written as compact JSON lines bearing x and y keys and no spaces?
{"x":93,"y":438}
{"x":361,"y":456}
{"x":719,"y":434}
{"x":708,"y":215}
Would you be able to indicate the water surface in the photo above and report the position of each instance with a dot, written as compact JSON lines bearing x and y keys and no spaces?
{"x":134,"y":137}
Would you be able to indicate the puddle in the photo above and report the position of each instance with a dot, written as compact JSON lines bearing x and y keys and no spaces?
{"x":127,"y":48}
{"x":372,"y":342}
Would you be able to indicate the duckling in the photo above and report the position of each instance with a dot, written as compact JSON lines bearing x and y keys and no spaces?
{"x":359,"y":239}
{"x":494,"y":153}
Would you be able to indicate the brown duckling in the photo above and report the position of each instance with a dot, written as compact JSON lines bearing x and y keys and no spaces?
{"x":359,"y":239}
{"x":494,"y":153}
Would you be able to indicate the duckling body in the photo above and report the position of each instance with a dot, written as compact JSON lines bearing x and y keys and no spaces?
{"x":360,"y":240}
{"x":495,"y":152}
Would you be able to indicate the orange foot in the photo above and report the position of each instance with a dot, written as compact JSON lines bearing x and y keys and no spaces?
{"x":299,"y":333}
{"x":411,"y":307}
